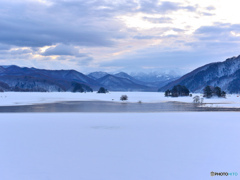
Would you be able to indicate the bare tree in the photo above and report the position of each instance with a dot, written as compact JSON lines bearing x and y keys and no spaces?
{"x":196,"y":99}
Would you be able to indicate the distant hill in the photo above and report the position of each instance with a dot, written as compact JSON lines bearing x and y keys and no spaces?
{"x":112,"y":82}
{"x":154,"y":76}
{"x":225,"y":74}
{"x":14,"y":78}
{"x":127,"y":76}
{"x":97,"y":75}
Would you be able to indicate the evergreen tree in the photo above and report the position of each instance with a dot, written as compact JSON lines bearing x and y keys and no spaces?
{"x":179,"y":90}
{"x":102,"y":90}
{"x":87,"y":88}
{"x":207,"y":92}
{"x":167,"y":93}
{"x":223,"y":94}
{"x":77,"y":87}
{"x":218,"y":91}
{"x":175,"y":91}
{"x":185,"y":91}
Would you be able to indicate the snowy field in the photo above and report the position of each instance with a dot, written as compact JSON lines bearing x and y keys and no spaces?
{"x":114,"y":146}
{"x":27,"y":98}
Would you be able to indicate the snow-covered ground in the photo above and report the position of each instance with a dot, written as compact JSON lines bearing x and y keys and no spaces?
{"x":26,"y":98}
{"x":231,"y":105}
{"x":119,"y":146}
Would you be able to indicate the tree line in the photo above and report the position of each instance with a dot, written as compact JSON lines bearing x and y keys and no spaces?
{"x":208,"y":91}
{"x":177,"y":90}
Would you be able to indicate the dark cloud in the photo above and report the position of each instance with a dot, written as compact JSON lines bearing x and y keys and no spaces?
{"x":16,"y":53}
{"x":82,"y":23}
{"x":34,"y":24}
{"x":186,"y":60}
{"x":218,"y":32}
{"x":21,"y":51}
{"x":65,"y":50}
{"x":9,"y":56}
{"x":95,"y":8}
{"x":109,"y":8}
{"x":5,"y":47}
{"x":211,"y":44}
{"x":84,"y":61}
{"x":68,"y":24}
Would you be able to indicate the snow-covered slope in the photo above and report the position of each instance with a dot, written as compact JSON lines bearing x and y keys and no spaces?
{"x":112,"y":82}
{"x":154,"y":76}
{"x":14,"y":78}
{"x":225,"y":74}
{"x":97,"y":75}
{"x":127,"y":76}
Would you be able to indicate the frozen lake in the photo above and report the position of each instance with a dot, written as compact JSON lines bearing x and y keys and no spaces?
{"x":104,"y":106}
{"x":118,"y":146}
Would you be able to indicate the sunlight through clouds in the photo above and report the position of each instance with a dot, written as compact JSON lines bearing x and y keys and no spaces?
{"x":118,"y":32}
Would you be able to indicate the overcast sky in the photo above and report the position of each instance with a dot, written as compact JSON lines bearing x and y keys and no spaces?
{"x":118,"y":35}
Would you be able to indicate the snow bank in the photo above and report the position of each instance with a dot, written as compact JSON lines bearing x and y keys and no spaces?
{"x":26,"y":98}
{"x":118,"y":146}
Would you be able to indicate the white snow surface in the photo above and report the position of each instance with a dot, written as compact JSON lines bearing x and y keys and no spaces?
{"x":118,"y":146}
{"x":27,"y":98}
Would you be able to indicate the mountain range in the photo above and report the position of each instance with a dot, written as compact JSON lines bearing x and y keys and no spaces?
{"x":14,"y":78}
{"x":224,"y":74}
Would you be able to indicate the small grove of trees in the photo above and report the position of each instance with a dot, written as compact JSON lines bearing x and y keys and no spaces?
{"x":124,"y":98}
{"x":210,"y":91}
{"x":76,"y":87}
{"x":177,"y":90}
{"x":102,"y":90}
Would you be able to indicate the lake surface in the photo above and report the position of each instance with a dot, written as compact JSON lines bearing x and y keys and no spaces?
{"x":103,"y":106}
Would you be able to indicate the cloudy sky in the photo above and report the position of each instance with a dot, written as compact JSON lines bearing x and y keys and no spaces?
{"x":118,"y":35}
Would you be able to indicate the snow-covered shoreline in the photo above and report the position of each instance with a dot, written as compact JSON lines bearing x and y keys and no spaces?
{"x":29,"y":98}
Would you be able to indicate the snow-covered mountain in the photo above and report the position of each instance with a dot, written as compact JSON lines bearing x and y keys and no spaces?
{"x":14,"y":78}
{"x":112,"y":82}
{"x":154,"y":76}
{"x":97,"y":75}
{"x":224,"y":74}
{"x":127,"y":76}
